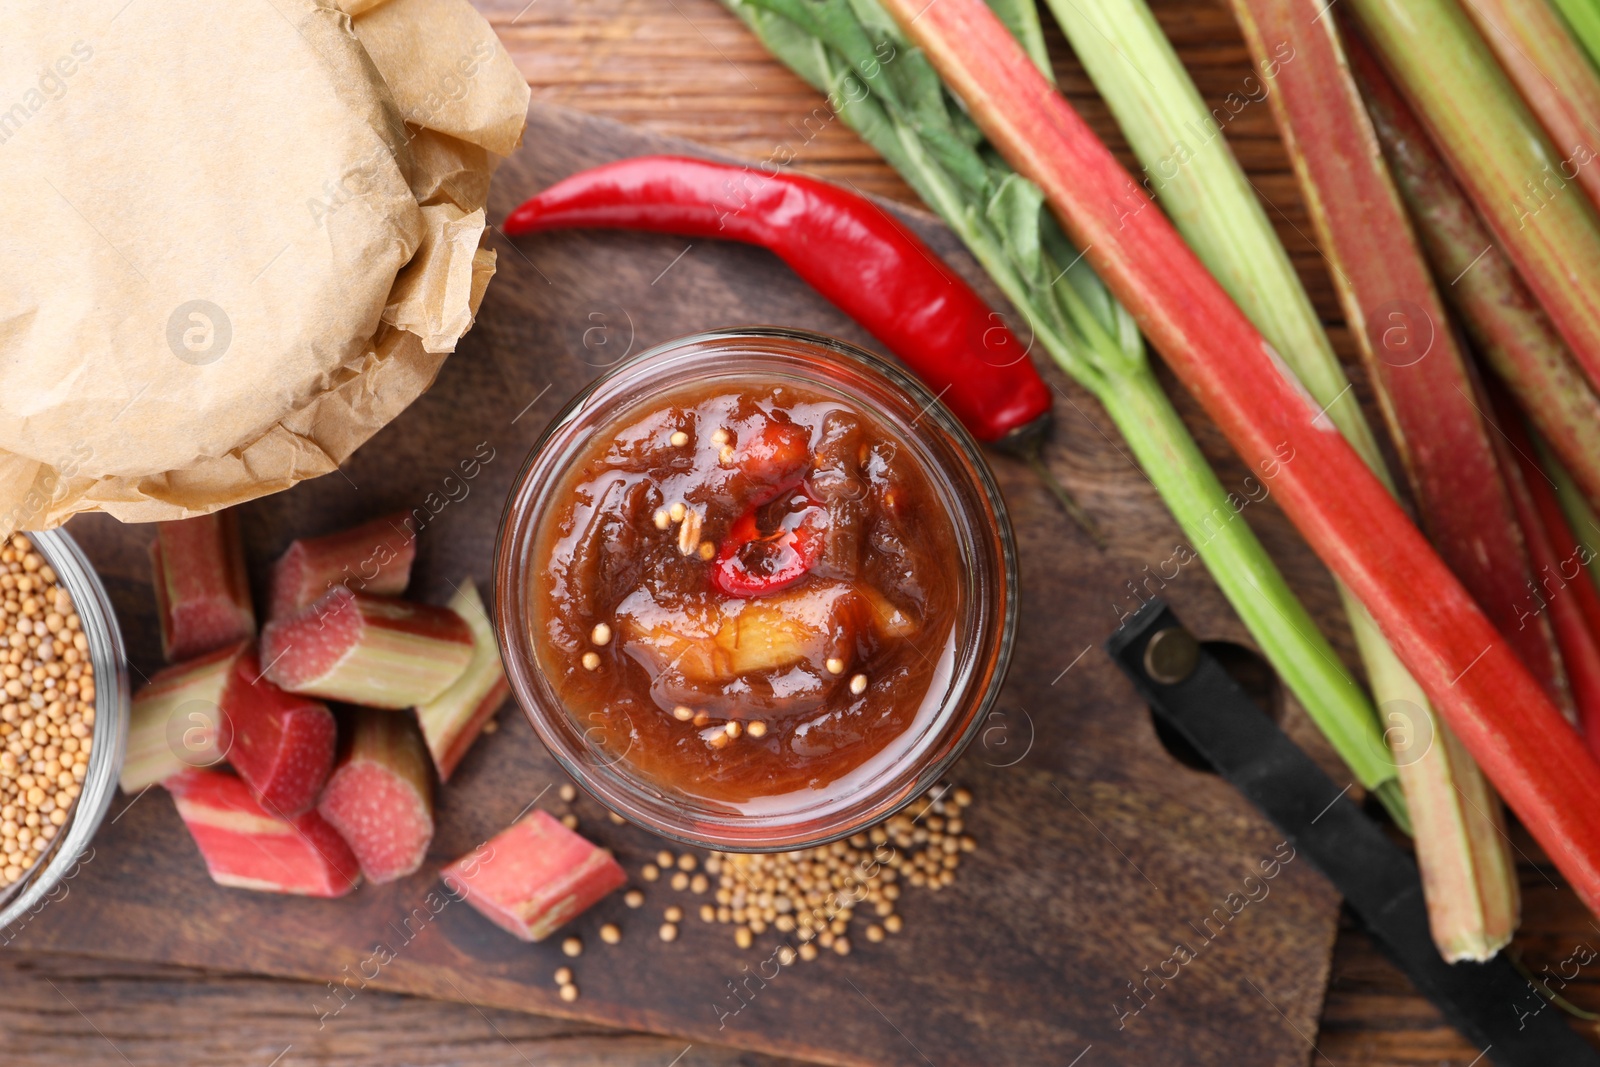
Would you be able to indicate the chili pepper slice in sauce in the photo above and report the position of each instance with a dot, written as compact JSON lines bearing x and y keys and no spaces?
{"x":847,"y":247}
{"x":753,"y":563}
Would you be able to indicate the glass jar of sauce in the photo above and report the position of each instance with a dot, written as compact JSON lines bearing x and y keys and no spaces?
{"x":755,"y":589}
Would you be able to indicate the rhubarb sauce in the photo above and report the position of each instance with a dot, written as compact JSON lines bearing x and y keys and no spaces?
{"x":747,"y":590}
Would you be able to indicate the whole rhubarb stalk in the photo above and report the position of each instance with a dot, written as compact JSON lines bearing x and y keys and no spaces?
{"x":1469,"y":672}
{"x":1506,"y":323}
{"x":1425,"y":389}
{"x":1204,"y":190}
{"x":1561,"y":587}
{"x":376,"y":651}
{"x":1582,"y":17}
{"x":380,"y":797}
{"x":247,"y":847}
{"x":452,"y":721}
{"x":1522,"y":185}
{"x":202,"y":593}
{"x":1556,"y":79}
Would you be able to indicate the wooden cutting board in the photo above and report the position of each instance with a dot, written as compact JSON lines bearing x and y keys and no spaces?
{"x":1099,"y":851}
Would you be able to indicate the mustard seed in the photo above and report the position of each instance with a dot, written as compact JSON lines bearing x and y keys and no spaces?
{"x":601,"y":634}
{"x":673,"y":914}
{"x":633,"y":898}
{"x":591,"y":661}
{"x":563,"y":976}
{"x":568,"y":992}
{"x":610,"y":933}
{"x":679,"y":439}
{"x":668,"y":932}
{"x":572,"y":946}
{"x":568,"y":792}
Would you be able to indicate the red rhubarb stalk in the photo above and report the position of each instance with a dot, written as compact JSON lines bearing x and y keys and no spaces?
{"x":380,"y":798}
{"x":370,"y":650}
{"x":1521,"y":183}
{"x":282,"y":743}
{"x":1555,"y":77}
{"x":534,"y":876}
{"x":1561,"y":587}
{"x":1506,"y":323}
{"x":452,"y":721}
{"x":247,"y":847}
{"x":374,"y":557}
{"x":1466,"y":668}
{"x":1424,"y":386}
{"x":176,"y":721}
{"x":202,"y":594}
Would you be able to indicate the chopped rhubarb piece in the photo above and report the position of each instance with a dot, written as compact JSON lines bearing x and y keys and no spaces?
{"x":202,"y":594}
{"x":380,"y":798}
{"x":452,"y":720}
{"x":176,"y":721}
{"x":370,"y":650}
{"x":282,"y":743}
{"x":533,"y":876}
{"x":247,"y":847}
{"x":374,"y":557}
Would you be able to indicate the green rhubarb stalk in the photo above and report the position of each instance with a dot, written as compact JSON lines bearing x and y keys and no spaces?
{"x":1192,"y":172}
{"x":1583,"y":20}
{"x":901,"y":108}
{"x":1522,"y":184}
{"x":1550,"y":69}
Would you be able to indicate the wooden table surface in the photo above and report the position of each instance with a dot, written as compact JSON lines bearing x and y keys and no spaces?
{"x":686,"y":68}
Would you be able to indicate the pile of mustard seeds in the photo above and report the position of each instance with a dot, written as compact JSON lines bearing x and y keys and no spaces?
{"x":47,"y":719}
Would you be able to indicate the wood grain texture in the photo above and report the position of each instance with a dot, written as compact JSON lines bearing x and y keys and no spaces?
{"x":1099,"y":851}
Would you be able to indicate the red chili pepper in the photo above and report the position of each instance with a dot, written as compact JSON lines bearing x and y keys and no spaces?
{"x":776,"y":455}
{"x":750,"y":563}
{"x":848,"y":248}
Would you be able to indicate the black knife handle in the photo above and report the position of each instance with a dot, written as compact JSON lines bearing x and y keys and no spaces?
{"x":1188,"y":689}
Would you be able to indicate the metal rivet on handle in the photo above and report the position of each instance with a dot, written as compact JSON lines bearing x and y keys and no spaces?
{"x":1171,"y":655}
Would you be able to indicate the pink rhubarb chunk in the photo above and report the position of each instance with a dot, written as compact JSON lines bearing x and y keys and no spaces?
{"x":380,"y":798}
{"x":452,"y":720}
{"x":376,"y":651}
{"x":248,"y":847}
{"x":176,"y":721}
{"x":282,"y":743}
{"x":374,"y":557}
{"x":534,"y":876}
{"x":202,"y":594}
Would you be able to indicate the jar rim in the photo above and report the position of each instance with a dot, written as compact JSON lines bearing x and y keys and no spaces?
{"x":951,"y":458}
